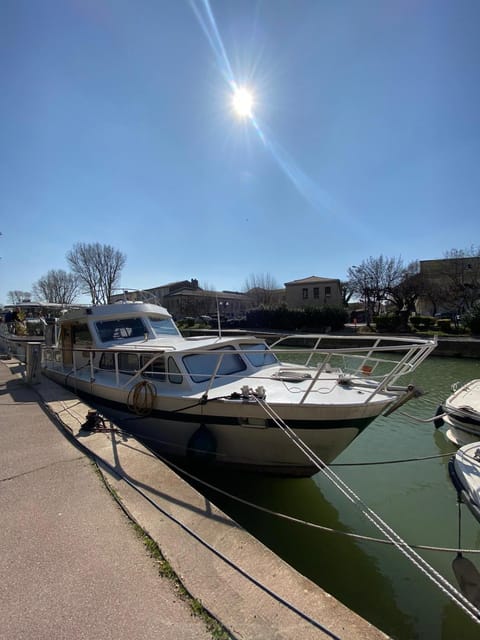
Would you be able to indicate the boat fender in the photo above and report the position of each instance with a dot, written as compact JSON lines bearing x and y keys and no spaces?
{"x":438,"y":422}
{"x":202,"y":444}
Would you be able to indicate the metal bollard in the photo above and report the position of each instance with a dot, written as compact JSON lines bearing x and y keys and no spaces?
{"x":33,"y":358}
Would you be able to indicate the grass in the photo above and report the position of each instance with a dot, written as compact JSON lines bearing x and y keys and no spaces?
{"x":217,"y":630}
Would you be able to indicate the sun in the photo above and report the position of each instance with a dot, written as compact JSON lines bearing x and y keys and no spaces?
{"x":242,"y":102}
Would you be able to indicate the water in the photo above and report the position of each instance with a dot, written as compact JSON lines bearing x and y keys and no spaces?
{"x":416,"y":498}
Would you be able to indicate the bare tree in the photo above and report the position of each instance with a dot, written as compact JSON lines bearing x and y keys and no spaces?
{"x":374,"y":279}
{"x":57,"y":286}
{"x":261,"y":288}
{"x":98,"y":268}
{"x":14,"y":297}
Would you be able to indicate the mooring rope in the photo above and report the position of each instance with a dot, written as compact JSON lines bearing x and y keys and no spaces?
{"x":141,"y":398}
{"x":374,"y":518}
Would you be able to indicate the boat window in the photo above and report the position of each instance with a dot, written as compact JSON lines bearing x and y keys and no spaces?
{"x":81,"y":335}
{"x":163,"y":326}
{"x":174,"y":374}
{"x":127,"y":362}
{"x":111,"y":330}
{"x":202,"y":365}
{"x":155,"y":369}
{"x":258,"y":354}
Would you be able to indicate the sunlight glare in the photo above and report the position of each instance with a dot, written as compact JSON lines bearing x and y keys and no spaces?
{"x":242,"y":102}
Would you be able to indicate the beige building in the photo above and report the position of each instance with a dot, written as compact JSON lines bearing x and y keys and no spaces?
{"x":313,"y":292}
{"x":449,"y":285}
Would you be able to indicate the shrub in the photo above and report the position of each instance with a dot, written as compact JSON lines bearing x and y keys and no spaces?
{"x":444,"y":324}
{"x":387,"y":323}
{"x":472,"y":320}
{"x":422,"y":322}
{"x":308,"y":319}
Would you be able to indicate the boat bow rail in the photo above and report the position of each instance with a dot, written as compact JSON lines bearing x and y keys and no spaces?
{"x":372,"y":364}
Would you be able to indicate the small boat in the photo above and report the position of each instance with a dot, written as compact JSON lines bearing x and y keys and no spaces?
{"x":461,"y":414}
{"x":464,"y":470}
{"x":232,"y":399}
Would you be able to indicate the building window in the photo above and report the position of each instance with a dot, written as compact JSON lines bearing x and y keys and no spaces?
{"x":316,"y":292}
{"x":305,"y":293}
{"x":328,"y":291}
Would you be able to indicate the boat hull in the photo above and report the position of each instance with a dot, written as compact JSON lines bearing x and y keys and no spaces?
{"x":464,"y":470}
{"x":220,"y":433}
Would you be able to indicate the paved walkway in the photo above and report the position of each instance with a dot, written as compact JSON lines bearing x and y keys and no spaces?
{"x":73,"y":567}
{"x":71,"y":564}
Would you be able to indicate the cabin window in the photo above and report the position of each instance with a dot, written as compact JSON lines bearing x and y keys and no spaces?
{"x":202,"y":365}
{"x":258,"y":354}
{"x":163,"y":326}
{"x":316,"y":293}
{"x":112,"y":330}
{"x":156,"y":369}
{"x":127,"y":362}
{"x":81,"y":335}
{"x":328,"y":291}
{"x":174,"y":374}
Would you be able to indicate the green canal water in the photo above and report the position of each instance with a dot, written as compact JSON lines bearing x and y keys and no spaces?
{"x":398,"y":467}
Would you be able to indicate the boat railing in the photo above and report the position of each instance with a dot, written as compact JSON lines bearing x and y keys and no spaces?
{"x":376,"y":366}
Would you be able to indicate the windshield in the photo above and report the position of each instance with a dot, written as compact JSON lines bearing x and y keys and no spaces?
{"x":112,"y":330}
{"x":258,"y":354}
{"x":163,"y":326}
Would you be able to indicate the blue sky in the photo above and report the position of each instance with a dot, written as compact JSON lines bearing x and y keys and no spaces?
{"x":116,"y":127}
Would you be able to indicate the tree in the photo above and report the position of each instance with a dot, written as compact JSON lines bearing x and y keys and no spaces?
{"x":14,"y":297}
{"x":98,"y":268}
{"x":411,"y":286}
{"x":262,"y":289}
{"x":57,"y":286}
{"x":374,"y":279}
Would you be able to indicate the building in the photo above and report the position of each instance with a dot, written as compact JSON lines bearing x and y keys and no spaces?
{"x":313,"y":292}
{"x":186,"y":299}
{"x":449,"y":285}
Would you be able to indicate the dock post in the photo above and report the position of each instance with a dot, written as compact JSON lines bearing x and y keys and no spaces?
{"x":33,"y":357}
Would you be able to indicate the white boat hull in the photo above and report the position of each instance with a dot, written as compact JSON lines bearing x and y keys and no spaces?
{"x":222,"y":434}
{"x":464,"y":470}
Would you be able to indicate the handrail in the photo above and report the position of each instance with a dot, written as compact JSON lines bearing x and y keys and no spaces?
{"x":410,"y":353}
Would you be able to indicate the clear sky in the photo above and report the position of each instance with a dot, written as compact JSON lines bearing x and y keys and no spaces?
{"x":116,"y":126}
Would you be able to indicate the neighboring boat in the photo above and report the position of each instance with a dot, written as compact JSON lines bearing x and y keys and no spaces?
{"x":464,"y":469}
{"x":461,"y":414}
{"x":26,"y":322}
{"x":232,"y":400}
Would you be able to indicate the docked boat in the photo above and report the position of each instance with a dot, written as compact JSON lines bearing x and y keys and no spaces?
{"x":464,"y":470}
{"x":26,"y":322}
{"x":232,"y":400}
{"x":461,"y":414}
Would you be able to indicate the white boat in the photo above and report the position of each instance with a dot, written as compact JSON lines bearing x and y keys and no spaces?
{"x":461,"y":414}
{"x":232,"y":400}
{"x":464,"y":469}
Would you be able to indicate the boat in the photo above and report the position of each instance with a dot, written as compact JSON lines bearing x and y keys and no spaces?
{"x":461,"y":414}
{"x":464,"y":470}
{"x":238,"y":400}
{"x":26,"y":322}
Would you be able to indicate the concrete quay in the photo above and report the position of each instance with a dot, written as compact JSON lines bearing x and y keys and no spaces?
{"x":73,"y":567}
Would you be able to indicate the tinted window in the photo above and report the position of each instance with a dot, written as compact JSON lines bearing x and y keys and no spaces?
{"x":202,"y":365}
{"x":163,"y":326}
{"x":258,"y":354}
{"x":112,"y":330}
